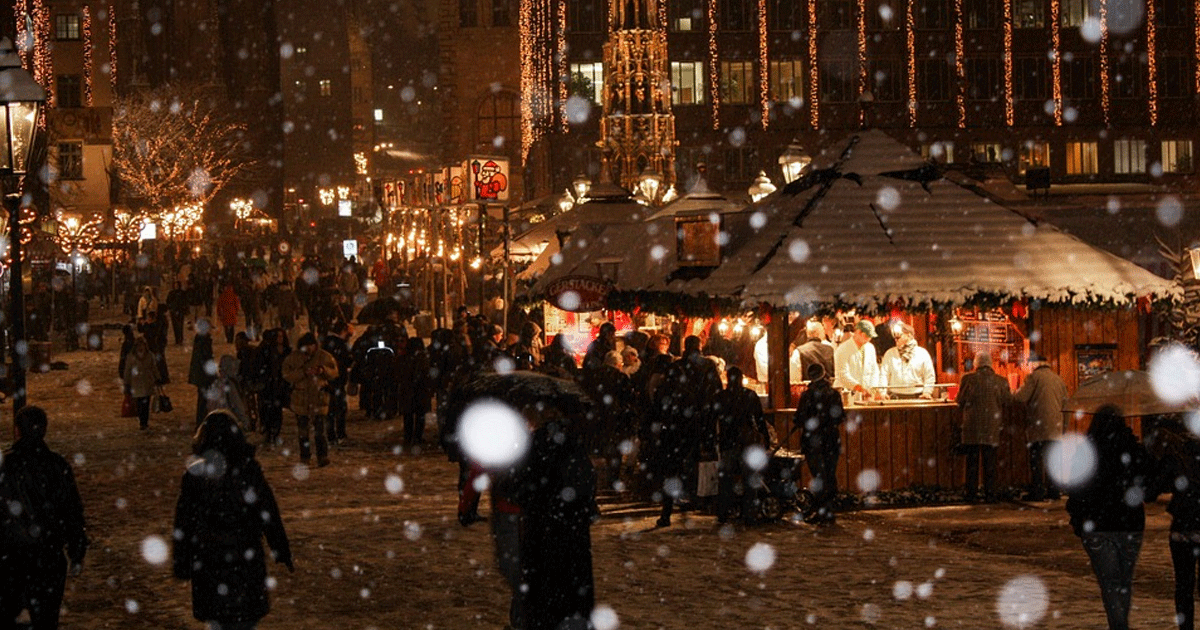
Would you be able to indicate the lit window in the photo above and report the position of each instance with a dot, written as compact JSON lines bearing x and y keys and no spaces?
{"x":941,"y":152}
{"x":1030,"y":13}
{"x":70,"y":160}
{"x":786,"y":79}
{"x":1129,"y":157}
{"x":66,"y":26}
{"x":687,"y":82}
{"x":326,"y":87}
{"x":378,"y":115}
{"x":737,"y":81}
{"x":1082,"y":158}
{"x":1033,"y":155}
{"x":987,"y":152}
{"x":587,"y":80}
{"x":1177,"y":156}
{"x":1076,"y":12}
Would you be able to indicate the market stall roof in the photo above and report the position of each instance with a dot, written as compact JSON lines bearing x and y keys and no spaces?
{"x":876,"y":224}
{"x":700,"y":200}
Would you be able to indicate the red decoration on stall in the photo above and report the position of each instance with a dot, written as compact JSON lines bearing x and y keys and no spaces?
{"x":1144,"y":304}
{"x":1020,"y":309}
{"x":764,"y":313}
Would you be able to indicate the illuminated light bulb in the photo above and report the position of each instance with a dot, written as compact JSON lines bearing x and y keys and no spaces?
{"x":764,"y":96}
{"x":1104,"y":88}
{"x":1056,"y":62}
{"x":862,"y":58}
{"x":960,"y":73}
{"x":814,"y":74}
{"x":910,"y":33}
{"x":714,"y":69}
{"x":1008,"y":59}
{"x":1152,"y":63}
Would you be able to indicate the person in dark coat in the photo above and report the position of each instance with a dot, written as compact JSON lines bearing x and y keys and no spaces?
{"x":605,"y":342}
{"x":416,"y":389}
{"x":375,"y":367}
{"x":611,"y":390}
{"x":557,"y":500}
{"x":819,"y":415}
{"x":127,"y":340}
{"x":33,"y":569}
{"x":272,"y":388}
{"x":557,"y":359}
{"x":1177,"y":454}
{"x":225,"y":509}
{"x":154,"y":329}
{"x":814,"y":349}
{"x":202,"y":369}
{"x":177,"y":306}
{"x":683,"y":403}
{"x":983,"y":396}
{"x":741,"y":425}
{"x":1107,"y":512}
{"x":337,"y":344}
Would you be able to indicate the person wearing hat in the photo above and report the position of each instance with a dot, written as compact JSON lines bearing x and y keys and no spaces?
{"x":1043,"y":394}
{"x":907,"y":367}
{"x":982,"y":396}
{"x":856,"y":369}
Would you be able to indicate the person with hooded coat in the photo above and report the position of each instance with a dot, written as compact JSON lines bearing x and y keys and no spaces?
{"x":1107,"y":512}
{"x":225,"y":509}
{"x":200,"y":369}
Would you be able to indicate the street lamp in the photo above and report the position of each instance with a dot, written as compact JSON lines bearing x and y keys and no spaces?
{"x":581,"y":185}
{"x":566,"y":202}
{"x":793,"y":161}
{"x":648,"y":184}
{"x":20,"y":99}
{"x":761,"y":187}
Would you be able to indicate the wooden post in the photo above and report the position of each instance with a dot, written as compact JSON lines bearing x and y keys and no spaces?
{"x":779,"y":385}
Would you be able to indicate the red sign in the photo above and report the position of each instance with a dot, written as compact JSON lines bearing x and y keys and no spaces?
{"x":578,"y":294}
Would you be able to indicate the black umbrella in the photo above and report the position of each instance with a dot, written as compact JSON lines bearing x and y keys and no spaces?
{"x":377,"y":312}
{"x":522,"y":389}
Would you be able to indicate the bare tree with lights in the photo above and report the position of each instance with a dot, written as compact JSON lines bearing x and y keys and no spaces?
{"x":174,"y":148}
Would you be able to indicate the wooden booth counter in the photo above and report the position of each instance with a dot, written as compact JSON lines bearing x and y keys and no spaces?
{"x":910,"y":444}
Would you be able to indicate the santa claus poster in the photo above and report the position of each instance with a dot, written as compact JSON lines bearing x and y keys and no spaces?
{"x":488,"y":179}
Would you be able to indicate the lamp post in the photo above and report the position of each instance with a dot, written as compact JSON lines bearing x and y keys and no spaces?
{"x":793,"y":161}
{"x":761,"y":187}
{"x":648,"y":184}
{"x":20,"y":99}
{"x":581,"y":185}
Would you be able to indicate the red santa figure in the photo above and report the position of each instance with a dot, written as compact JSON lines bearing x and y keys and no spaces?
{"x":489,"y":181}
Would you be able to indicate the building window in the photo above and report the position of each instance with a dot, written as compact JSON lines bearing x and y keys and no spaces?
{"x":66,"y":26}
{"x":737,"y":15}
{"x":737,"y":82}
{"x":326,"y":87}
{"x":1129,"y":80}
{"x":1174,"y":73}
{"x":933,"y":80}
{"x":836,"y":15}
{"x":1031,"y":78}
{"x":933,"y":14}
{"x":1079,"y":78}
{"x":687,"y":82}
{"x":1076,"y":12}
{"x":587,"y":80}
{"x":887,"y":80}
{"x":1177,"y":156}
{"x":787,"y":80}
{"x":1129,"y":157}
{"x":983,"y":79}
{"x":499,"y":119}
{"x":1082,"y":158}
{"x":838,"y":81}
{"x":884,"y":15}
{"x":686,"y":15}
{"x":981,"y":13}
{"x":502,"y":12}
{"x":70,"y":160}
{"x":741,"y":165}
{"x":690,"y":163}
{"x":1033,"y":155}
{"x":585,"y":16}
{"x":68,"y":90}
{"x":941,"y":152}
{"x":1172,"y":13}
{"x":468,"y":13}
{"x":1030,"y":14}
{"x":784,"y":15}
{"x":987,"y":152}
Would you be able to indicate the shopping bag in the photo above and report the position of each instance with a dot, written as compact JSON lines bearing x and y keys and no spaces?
{"x":128,"y":409}
{"x":162,"y":403}
{"x":706,"y":479}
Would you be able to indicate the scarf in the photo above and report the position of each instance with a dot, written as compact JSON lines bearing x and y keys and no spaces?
{"x":906,"y":350}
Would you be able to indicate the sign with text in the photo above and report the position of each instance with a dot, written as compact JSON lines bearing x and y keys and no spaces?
{"x":488,"y":179}
{"x":349,"y":248}
{"x":578,"y":294}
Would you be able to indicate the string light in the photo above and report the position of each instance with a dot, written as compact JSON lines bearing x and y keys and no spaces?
{"x":1056,"y":61}
{"x":535,"y":23}
{"x":561,"y":47}
{"x":862,"y":58}
{"x":21,"y":13}
{"x":960,"y":72}
{"x":43,"y":63}
{"x":87,"y":56}
{"x":1152,"y":62}
{"x":112,"y":48}
{"x":1196,"y":40}
{"x":72,"y":234}
{"x":814,"y":73}
{"x":910,"y":26}
{"x":764,"y":96}
{"x":1008,"y":59}
{"x":1104,"y":60}
{"x":714,"y":70}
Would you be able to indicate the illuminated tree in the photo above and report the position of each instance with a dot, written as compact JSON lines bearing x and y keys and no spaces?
{"x":174,"y":148}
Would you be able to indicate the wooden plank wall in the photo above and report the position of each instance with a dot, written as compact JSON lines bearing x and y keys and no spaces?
{"x":1055,"y":332}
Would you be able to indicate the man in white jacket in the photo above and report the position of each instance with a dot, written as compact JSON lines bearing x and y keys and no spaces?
{"x":907,"y":367}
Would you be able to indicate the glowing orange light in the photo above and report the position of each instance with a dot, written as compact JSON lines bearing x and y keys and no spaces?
{"x":910,"y":27}
{"x":814,"y":105}
{"x":763,"y":64}
{"x":1008,"y":62}
{"x":561,"y":47}
{"x":1104,"y":60}
{"x":714,"y":70}
{"x":1056,"y":61}
{"x":87,"y":56}
{"x":112,"y":48}
{"x":862,"y":58}
{"x":960,"y":73}
{"x":1152,"y":63}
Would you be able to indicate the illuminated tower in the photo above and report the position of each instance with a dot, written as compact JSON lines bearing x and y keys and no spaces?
{"x":637,"y":131}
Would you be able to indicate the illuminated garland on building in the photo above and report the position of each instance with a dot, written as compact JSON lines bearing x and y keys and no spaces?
{"x":714,"y":68}
{"x":534,"y":62}
{"x":87,"y":56}
{"x":112,"y":48}
{"x":73,"y":234}
{"x":1104,"y":60}
{"x":814,"y":73}
{"x":21,"y":14}
{"x":1151,"y":62}
{"x":1056,"y":62}
{"x":862,"y":59}
{"x":1196,"y":11}
{"x":960,"y":72}
{"x":764,"y":80}
{"x":43,"y":63}
{"x":560,"y":45}
{"x":910,"y":26}
{"x":1008,"y":61}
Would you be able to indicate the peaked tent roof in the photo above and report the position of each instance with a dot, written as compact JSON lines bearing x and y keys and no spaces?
{"x":880,"y":226}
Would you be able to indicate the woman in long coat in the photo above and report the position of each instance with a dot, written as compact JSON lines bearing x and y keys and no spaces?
{"x":141,"y":379}
{"x":225,"y":509}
